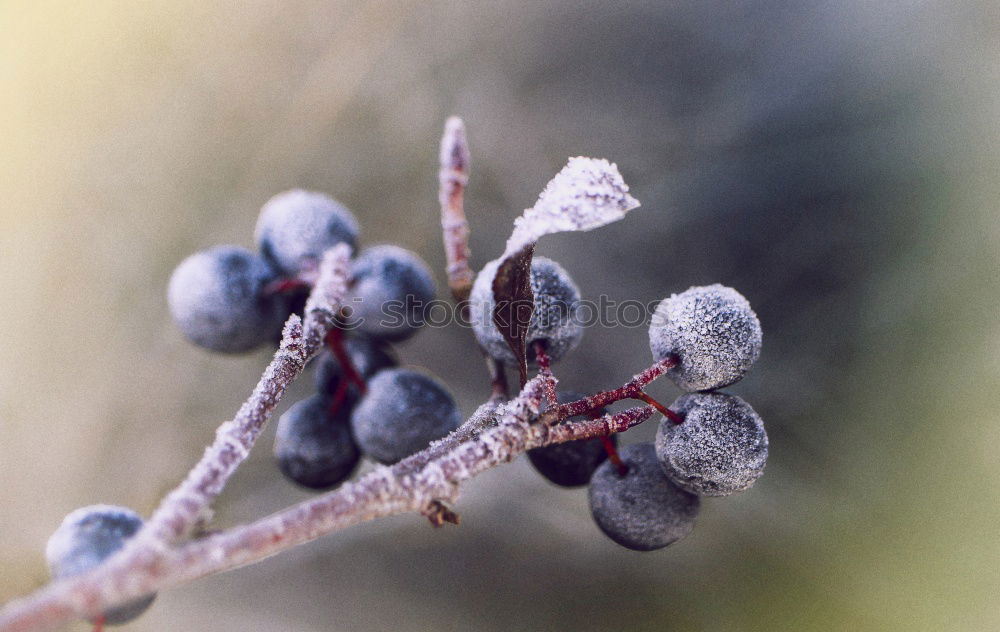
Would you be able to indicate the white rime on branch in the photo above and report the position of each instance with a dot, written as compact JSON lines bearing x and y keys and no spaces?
{"x":496,"y":434}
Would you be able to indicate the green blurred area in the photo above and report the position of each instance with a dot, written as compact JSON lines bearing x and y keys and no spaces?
{"x":835,"y":162}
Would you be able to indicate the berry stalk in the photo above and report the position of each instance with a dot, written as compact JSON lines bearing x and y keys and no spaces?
{"x":613,"y":456}
{"x":500,"y":390}
{"x":335,"y":342}
{"x":545,"y":370}
{"x":630,"y":390}
{"x":280,"y":286}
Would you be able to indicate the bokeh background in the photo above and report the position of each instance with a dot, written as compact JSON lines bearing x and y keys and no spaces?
{"x":836,"y":162}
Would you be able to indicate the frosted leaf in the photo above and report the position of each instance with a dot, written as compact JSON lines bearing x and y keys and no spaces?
{"x":588,"y":193}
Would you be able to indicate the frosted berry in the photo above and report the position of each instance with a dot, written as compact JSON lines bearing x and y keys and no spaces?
{"x":314,"y":448}
{"x":719,"y":449}
{"x":296,"y":227}
{"x":712,"y":331}
{"x":401,"y":413}
{"x":391,"y":288}
{"x":570,"y":464}
{"x":640,"y":510}
{"x":554,"y":320}
{"x":86,"y":538}
{"x":217,"y":299}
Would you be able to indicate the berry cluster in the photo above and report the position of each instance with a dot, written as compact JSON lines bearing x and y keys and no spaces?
{"x":711,"y":444}
{"x":644,"y":497}
{"x":230,"y":300}
{"x":708,"y":443}
{"x":364,"y":403}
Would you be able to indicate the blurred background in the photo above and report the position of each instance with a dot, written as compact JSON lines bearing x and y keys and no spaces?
{"x":835,"y":162}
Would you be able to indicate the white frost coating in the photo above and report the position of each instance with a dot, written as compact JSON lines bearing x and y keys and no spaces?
{"x":329,"y":294}
{"x":434,"y":484}
{"x":145,"y":567}
{"x":588,"y":193}
{"x":234,"y":444}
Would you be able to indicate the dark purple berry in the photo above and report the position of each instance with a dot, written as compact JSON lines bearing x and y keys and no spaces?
{"x":554,"y":320}
{"x":391,"y":289}
{"x":296,"y":227}
{"x":217,"y":299}
{"x":314,"y":448}
{"x":713,"y":333}
{"x":401,"y":413}
{"x":86,"y":538}
{"x":640,"y":510}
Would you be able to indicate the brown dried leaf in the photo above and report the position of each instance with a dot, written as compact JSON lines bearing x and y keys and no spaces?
{"x":514,"y":303}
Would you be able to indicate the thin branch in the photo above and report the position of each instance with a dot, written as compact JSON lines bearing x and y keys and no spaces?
{"x":190,"y":502}
{"x":453,"y":176}
{"x":187,"y":506}
{"x":496,"y":434}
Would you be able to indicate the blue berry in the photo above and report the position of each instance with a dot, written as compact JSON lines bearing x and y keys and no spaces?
{"x":401,"y":413}
{"x":296,"y":227}
{"x":640,"y":510}
{"x":391,"y":289}
{"x":719,"y":449}
{"x":86,"y":538}
{"x":713,"y":333}
{"x":571,"y":464}
{"x":367,"y":356}
{"x":554,"y":320}
{"x":314,"y":448}
{"x":217,"y":299}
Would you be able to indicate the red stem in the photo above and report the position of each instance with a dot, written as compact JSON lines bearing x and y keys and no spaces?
{"x":613,"y":456}
{"x":610,"y":449}
{"x":669,"y":414}
{"x":630,"y":390}
{"x":280,"y":286}
{"x":99,"y":624}
{"x":335,"y":342}
{"x":545,"y":369}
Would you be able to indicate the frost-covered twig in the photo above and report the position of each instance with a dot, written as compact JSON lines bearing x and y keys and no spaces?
{"x":185,"y":507}
{"x":410,"y":486}
{"x":453,"y":176}
{"x":494,"y":435}
{"x":190,"y":502}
